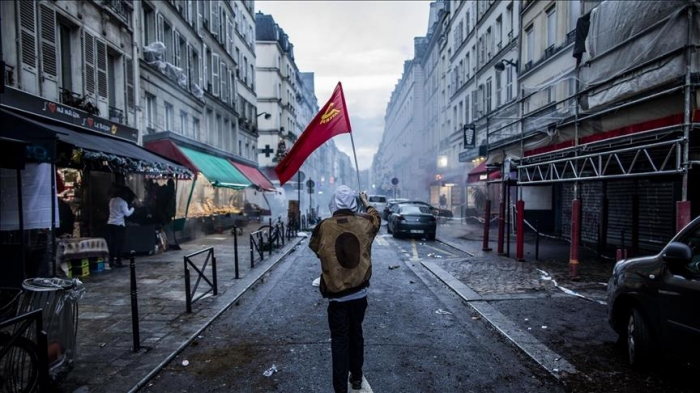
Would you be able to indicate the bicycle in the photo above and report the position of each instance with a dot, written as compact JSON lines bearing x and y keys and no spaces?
{"x":19,"y":356}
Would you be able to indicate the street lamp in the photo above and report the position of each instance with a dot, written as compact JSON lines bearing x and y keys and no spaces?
{"x":267,"y":115}
{"x":501,"y":65}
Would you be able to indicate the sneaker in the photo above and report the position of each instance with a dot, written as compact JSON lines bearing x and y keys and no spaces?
{"x":356,"y":384}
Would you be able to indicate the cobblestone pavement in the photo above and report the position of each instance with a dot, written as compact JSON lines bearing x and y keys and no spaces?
{"x":105,"y":361}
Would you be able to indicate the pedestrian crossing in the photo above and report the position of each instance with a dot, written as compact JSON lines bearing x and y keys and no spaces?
{"x":365,"y":387}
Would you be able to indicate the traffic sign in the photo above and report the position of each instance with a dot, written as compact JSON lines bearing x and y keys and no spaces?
{"x":395,"y":181}
{"x":310,"y":183}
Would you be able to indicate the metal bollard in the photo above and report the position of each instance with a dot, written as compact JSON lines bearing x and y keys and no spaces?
{"x":269,"y":237}
{"x":134,"y":304}
{"x":252,"y":254}
{"x":261,"y":243}
{"x":235,"y":249}
{"x":537,"y":240}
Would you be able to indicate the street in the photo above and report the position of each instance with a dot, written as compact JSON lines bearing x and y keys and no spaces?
{"x":419,"y":336}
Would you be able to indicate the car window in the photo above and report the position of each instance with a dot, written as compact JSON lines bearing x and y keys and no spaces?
{"x":414,"y":209}
{"x":380,"y":199}
{"x":692,"y":239}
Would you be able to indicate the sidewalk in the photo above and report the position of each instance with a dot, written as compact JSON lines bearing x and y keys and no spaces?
{"x":525,"y":276}
{"x":560,"y":323}
{"x":105,"y":361}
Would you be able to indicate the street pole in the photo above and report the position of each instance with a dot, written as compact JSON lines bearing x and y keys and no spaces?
{"x":299,"y":201}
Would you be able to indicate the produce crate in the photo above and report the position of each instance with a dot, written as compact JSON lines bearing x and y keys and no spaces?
{"x":97,"y":265}
{"x":79,"y":268}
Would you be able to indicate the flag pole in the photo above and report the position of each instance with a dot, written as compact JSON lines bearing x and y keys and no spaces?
{"x":357,"y":168}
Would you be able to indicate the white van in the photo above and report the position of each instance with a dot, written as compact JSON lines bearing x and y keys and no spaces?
{"x":378,"y":201}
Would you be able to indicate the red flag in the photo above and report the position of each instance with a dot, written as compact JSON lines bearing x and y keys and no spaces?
{"x":330,"y":121}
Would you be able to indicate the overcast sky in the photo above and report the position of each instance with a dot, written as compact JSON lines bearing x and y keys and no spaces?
{"x":362,"y":44}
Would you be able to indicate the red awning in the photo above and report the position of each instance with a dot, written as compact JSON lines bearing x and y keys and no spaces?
{"x":168,"y":149}
{"x":478,"y":174}
{"x":255,"y":176}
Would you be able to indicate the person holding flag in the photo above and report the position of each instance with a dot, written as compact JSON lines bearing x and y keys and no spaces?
{"x":343,"y":243}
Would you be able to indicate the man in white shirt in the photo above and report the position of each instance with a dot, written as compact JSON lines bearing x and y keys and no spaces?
{"x":118,"y":209}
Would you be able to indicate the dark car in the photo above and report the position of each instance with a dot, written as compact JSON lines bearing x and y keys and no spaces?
{"x":389,"y":204}
{"x":654,"y":301}
{"x":412,"y":220}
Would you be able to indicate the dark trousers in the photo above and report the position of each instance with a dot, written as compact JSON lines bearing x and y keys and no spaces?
{"x":115,"y":243}
{"x":347,"y":343}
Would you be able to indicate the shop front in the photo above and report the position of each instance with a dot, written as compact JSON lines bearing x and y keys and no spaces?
{"x":219,"y":196}
{"x":74,"y":180}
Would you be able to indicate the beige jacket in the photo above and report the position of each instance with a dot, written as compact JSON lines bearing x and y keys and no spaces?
{"x":344,"y":245}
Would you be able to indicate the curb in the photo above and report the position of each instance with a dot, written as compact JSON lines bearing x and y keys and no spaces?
{"x":553,"y":363}
{"x":142,"y":383}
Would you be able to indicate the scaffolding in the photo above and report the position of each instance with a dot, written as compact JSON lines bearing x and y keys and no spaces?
{"x":627,"y":126}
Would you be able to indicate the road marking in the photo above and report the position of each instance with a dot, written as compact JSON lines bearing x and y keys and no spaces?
{"x":415,"y":251}
{"x":442,"y":251}
{"x":381,"y":241}
{"x":365,"y":387}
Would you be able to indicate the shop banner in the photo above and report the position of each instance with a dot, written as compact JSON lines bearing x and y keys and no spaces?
{"x":35,"y":105}
{"x":36,"y":198}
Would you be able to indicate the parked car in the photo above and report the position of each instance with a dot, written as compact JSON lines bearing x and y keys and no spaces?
{"x":654,"y":301}
{"x":412,"y":220}
{"x":389,"y":203}
{"x":378,"y":201}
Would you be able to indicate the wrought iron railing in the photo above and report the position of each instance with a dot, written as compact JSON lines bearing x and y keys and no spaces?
{"x":123,"y":9}
{"x":116,"y":115}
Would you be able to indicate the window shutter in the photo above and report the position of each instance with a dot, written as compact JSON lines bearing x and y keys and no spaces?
{"x":159,"y":28}
{"x":232,"y":87}
{"x":213,"y":16}
{"x":205,"y":69}
{"x":215,"y":74}
{"x":231,"y":34}
{"x":200,"y":15}
{"x":177,"y":56}
{"x":130,"y":84}
{"x":224,"y":91}
{"x":89,"y":57}
{"x":27,"y":21}
{"x":101,"y":68}
{"x":188,"y":65}
{"x":48,"y":41}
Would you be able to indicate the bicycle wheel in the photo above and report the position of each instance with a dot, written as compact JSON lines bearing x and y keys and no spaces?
{"x":19,"y":364}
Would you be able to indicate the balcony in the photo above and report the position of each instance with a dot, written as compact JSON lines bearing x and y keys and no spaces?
{"x":77,"y":101}
{"x":9,"y":75}
{"x":570,"y":37}
{"x":122,"y":8}
{"x":549,"y":52}
{"x":116,"y":115}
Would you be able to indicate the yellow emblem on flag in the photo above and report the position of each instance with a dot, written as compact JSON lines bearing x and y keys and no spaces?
{"x":329,"y":114}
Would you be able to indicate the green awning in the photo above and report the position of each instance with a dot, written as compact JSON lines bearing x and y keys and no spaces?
{"x":219,"y":171}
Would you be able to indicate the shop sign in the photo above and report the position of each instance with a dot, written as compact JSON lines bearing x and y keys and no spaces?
{"x":26,"y":102}
{"x":468,"y":155}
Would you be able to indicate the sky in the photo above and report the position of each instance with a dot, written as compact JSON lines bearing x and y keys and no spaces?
{"x":363,"y":45}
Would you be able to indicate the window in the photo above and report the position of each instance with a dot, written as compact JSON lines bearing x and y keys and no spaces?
{"x":509,"y":83}
{"x":149,"y":24}
{"x":468,"y":67}
{"x":195,"y":128}
{"x":467,"y":118}
{"x":150,"y":112}
{"x":240,"y":148}
{"x":488,"y":95}
{"x":168,"y":39}
{"x":551,"y":27}
{"x":183,"y":123}
{"x":498,"y":88}
{"x":574,"y":13}
{"x":66,"y":81}
{"x":475,"y":108}
{"x":530,"y":44}
{"x":168,"y":117}
{"x":219,"y":132}
{"x":509,"y":21}
{"x":499,"y":33}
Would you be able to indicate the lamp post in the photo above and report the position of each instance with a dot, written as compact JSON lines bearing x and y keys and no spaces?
{"x":267,"y":115}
